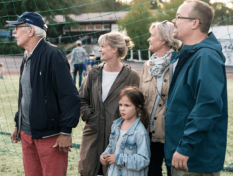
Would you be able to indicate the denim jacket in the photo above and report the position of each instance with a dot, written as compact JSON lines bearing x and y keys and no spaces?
{"x":134,"y":155}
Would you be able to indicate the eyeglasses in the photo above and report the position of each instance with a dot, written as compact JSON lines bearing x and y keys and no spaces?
{"x":16,"y":27}
{"x":187,"y":18}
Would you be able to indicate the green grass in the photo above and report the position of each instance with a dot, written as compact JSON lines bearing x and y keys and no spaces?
{"x":11,"y":154}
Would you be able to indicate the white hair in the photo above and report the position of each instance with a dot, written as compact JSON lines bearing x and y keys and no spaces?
{"x":165,"y":32}
{"x":39,"y":32}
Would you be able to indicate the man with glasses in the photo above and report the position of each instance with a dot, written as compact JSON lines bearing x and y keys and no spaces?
{"x":196,"y":107}
{"x":48,"y":103}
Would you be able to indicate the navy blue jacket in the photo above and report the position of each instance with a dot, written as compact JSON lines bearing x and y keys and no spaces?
{"x":55,"y":102}
{"x":196,"y":107}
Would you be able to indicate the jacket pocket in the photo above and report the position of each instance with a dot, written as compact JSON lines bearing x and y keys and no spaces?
{"x":130,"y":148}
{"x":93,"y":120}
{"x":52,"y":118}
{"x":112,"y":135}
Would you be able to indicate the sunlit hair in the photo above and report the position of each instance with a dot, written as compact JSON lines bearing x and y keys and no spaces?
{"x":39,"y":32}
{"x":117,"y":40}
{"x":134,"y":94}
{"x":204,"y":13}
{"x":165,"y":32}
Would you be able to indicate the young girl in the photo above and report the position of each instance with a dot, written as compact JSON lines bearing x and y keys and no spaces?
{"x":128,"y":152}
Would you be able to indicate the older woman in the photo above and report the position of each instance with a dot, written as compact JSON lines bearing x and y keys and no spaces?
{"x":99,"y":95}
{"x":156,"y":75}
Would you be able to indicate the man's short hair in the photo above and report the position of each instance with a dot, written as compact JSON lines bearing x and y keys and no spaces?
{"x":1,"y":64}
{"x":204,"y":13}
{"x":39,"y":32}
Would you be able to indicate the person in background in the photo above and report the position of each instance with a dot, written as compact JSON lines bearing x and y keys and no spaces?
{"x":99,"y":95}
{"x":78,"y":55}
{"x":48,"y":103}
{"x":2,"y":71}
{"x":97,"y":53}
{"x":85,"y":67}
{"x":129,"y":143}
{"x":197,"y":109}
{"x":154,"y":83}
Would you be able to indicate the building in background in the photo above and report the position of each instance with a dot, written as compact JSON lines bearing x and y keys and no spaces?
{"x":224,"y":34}
{"x":88,"y":26}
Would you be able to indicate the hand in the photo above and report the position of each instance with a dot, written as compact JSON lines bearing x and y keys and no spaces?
{"x":103,"y":160}
{"x":180,"y":161}
{"x":111,"y":158}
{"x":13,"y":136}
{"x":64,"y":143}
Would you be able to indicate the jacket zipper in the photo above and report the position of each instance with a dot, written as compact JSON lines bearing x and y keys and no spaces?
{"x":19,"y":108}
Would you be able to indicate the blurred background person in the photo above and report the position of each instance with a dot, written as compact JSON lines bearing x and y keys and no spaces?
{"x":154,"y":83}
{"x":97,"y":53}
{"x":77,"y":57}
{"x":2,"y":71}
{"x":99,"y":95}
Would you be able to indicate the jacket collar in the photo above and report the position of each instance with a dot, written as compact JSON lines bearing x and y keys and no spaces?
{"x":131,"y":130}
{"x":188,"y":50}
{"x":41,"y":43}
{"x":122,"y":76}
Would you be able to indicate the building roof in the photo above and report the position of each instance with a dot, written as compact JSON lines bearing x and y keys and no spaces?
{"x":93,"y":17}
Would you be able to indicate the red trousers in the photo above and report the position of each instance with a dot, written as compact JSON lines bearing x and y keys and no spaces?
{"x":40,"y":158}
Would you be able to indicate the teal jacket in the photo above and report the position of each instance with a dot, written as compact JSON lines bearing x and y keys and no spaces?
{"x":196,"y":107}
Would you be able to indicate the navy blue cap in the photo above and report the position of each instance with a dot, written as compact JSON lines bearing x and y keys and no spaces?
{"x":32,"y":18}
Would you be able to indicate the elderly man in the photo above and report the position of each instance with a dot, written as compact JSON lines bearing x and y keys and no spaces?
{"x":196,"y":110}
{"x":48,"y":104}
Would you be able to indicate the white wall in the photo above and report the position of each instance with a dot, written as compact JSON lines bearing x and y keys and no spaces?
{"x":225,"y":36}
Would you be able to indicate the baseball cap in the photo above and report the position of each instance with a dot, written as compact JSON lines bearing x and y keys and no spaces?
{"x":78,"y":42}
{"x":31,"y":18}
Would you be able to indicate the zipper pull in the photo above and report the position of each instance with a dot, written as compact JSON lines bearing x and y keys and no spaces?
{"x":45,"y":100}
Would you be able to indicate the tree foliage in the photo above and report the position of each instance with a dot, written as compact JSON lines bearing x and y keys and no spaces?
{"x":137,"y":23}
{"x":11,"y":10}
{"x":139,"y":18}
{"x":90,"y":6}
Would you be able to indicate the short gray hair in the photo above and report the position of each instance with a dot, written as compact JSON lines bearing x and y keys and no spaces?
{"x":203,"y":12}
{"x":165,"y":32}
{"x":39,"y":32}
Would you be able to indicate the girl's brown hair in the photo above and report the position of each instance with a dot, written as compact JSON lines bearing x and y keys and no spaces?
{"x":135,"y":95}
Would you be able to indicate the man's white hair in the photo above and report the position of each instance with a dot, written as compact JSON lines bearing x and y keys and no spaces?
{"x":39,"y":32}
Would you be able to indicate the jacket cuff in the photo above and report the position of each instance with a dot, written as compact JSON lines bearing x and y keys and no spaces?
{"x":117,"y":159}
{"x":184,"y":148}
{"x":66,"y":130}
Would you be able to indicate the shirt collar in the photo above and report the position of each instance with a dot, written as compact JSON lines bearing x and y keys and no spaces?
{"x":26,"y":52}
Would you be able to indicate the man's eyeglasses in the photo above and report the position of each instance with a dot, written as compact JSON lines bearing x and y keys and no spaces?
{"x":187,"y":18}
{"x":16,"y":27}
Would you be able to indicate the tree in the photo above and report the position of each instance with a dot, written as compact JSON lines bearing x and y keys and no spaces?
{"x":90,"y":6}
{"x":11,"y":10}
{"x":137,"y":23}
